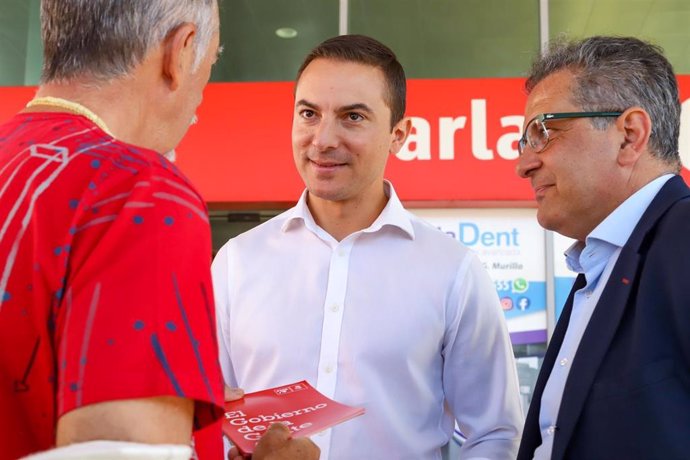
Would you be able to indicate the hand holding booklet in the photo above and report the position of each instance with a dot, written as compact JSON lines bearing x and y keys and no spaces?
{"x":298,"y":405}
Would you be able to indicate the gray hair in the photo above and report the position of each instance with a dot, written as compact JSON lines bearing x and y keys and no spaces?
{"x":106,"y":39}
{"x":615,"y":73}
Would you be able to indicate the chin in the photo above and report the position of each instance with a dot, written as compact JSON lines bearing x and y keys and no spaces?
{"x":546,"y":221}
{"x":326,"y":193}
{"x":555,"y":224}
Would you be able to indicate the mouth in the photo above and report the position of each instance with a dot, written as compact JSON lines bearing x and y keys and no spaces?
{"x":325,"y":165}
{"x":540,"y":190}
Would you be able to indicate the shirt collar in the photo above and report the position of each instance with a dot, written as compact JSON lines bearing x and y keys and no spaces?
{"x":617,"y":227}
{"x":393,"y":214}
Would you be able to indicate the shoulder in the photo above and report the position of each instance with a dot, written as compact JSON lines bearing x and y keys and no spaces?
{"x":147,"y":180}
{"x":680,"y":209}
{"x":256,"y":241}
{"x":440,"y":254}
{"x":665,"y":247}
{"x":435,"y":239}
{"x":675,"y":222}
{"x":127,"y":197}
{"x":273,"y":228}
{"x":668,"y":238}
{"x":671,"y":203}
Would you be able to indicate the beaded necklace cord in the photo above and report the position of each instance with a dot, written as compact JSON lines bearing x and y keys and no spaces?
{"x":70,"y":106}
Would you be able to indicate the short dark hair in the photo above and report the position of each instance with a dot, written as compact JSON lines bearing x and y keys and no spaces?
{"x":106,"y":39}
{"x":366,"y":50}
{"x":615,"y":73}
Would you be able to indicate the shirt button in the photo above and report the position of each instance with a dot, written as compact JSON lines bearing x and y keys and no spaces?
{"x":588,"y":293}
{"x":564,"y":361}
{"x":329,"y":369}
{"x":335,"y":307}
{"x":551,"y":430}
{"x":341,"y":252}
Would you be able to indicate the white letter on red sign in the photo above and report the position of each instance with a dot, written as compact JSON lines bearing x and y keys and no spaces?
{"x":507,"y":141}
{"x":446,"y":136}
{"x":479,"y":141}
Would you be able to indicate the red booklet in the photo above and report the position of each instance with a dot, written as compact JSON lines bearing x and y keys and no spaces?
{"x":298,"y":405}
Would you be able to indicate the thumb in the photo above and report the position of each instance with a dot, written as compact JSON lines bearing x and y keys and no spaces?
{"x":276,"y":436}
{"x":233,"y":394}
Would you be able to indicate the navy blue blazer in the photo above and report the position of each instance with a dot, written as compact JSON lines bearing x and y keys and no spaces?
{"x":628,"y":391}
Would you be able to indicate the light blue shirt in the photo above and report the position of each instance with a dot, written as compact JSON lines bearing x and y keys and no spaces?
{"x":596,"y":259}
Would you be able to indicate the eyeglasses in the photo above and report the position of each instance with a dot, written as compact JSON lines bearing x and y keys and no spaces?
{"x":536,"y":133}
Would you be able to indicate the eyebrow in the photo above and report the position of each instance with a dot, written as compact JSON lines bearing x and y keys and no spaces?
{"x":346,"y":108}
{"x":306,"y":103}
{"x":358,"y":106}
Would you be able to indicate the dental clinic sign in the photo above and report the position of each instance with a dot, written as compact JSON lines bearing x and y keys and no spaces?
{"x":463,"y":146}
{"x":510,"y":244}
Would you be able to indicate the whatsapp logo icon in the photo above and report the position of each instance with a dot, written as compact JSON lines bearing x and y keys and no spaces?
{"x":520,"y":285}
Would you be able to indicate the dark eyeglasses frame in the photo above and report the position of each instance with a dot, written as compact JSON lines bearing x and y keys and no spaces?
{"x":544,"y":117}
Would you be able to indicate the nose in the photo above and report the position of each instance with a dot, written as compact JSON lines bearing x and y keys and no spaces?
{"x":326,"y":135}
{"x":528,"y":162}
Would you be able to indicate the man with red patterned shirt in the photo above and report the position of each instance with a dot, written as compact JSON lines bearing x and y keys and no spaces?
{"x":107,"y":324}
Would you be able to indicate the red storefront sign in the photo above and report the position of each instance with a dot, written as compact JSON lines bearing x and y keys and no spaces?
{"x":459,"y":148}
{"x":463,"y":145}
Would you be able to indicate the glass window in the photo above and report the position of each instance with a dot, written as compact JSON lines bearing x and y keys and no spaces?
{"x":251,"y":33}
{"x":452,"y":39}
{"x":663,"y":22}
{"x":20,"y":43}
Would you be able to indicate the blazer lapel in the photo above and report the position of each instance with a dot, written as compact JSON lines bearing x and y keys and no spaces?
{"x":531,"y":436}
{"x":593,"y":346}
{"x":607,"y":315}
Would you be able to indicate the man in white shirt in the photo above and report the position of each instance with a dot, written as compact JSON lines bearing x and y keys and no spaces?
{"x":353,"y":293}
{"x":601,"y":150}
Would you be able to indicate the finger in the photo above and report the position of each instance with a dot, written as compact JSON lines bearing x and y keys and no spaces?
{"x":274,"y":438}
{"x":233,"y":394}
{"x":234,"y":454}
{"x":304,"y":449}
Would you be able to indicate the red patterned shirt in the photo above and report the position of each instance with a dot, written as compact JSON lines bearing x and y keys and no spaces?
{"x":105,"y":287}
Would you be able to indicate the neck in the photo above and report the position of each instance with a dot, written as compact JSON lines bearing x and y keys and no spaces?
{"x":647,"y":169}
{"x":117,"y":104}
{"x":50,"y":103}
{"x":343,"y":218}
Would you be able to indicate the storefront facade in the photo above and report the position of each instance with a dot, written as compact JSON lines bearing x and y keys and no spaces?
{"x":466,"y":62}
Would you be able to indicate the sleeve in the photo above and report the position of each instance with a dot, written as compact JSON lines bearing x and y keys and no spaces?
{"x":480,"y":377}
{"x":221,"y":292}
{"x":675,"y":259}
{"x":137,"y":317}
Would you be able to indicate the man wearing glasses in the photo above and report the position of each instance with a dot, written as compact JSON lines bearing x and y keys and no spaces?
{"x":601,"y":151}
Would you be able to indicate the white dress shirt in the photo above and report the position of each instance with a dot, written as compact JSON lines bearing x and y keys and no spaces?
{"x":596,"y":259}
{"x":398,"y":318}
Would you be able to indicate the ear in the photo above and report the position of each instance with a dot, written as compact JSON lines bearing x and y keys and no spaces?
{"x":178,"y":54}
{"x":635,"y":125}
{"x":399,"y":134}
